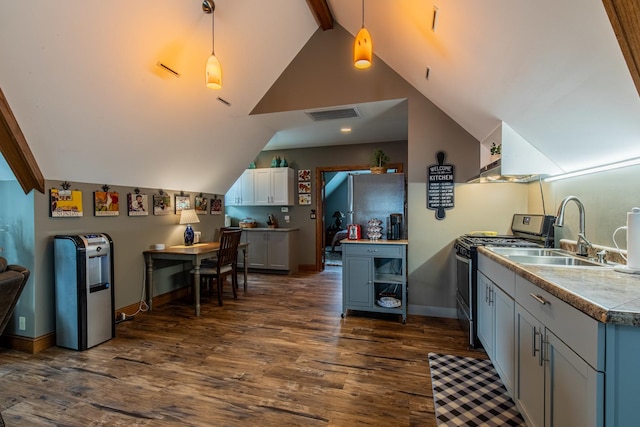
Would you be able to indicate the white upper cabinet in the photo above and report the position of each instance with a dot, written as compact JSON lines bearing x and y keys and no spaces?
{"x":241,"y":192}
{"x":274,"y":186}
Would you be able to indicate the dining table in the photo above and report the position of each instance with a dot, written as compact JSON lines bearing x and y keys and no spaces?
{"x":195,"y":253}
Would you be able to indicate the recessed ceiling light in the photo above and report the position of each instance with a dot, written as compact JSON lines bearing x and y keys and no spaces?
{"x":345,"y":130}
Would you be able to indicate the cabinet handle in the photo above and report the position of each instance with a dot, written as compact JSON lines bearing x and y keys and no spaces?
{"x":543,"y":343}
{"x":539,"y":299}
{"x":372,"y":250}
{"x":534,"y":350}
{"x":491,"y":296}
{"x":486,"y":293}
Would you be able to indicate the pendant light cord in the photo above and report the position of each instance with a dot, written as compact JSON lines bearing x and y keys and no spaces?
{"x":362,"y":13}
{"x":213,"y":37}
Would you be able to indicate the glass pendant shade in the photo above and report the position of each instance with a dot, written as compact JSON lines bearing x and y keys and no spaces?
{"x":362,"y":49}
{"x":213,"y":73}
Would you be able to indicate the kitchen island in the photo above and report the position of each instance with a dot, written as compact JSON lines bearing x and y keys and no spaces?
{"x":374,"y":276}
{"x":564,"y":340}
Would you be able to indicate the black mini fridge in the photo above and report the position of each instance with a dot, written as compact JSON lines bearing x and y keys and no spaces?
{"x":84,"y":290}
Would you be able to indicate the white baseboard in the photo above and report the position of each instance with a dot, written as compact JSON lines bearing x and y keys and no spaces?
{"x":425,"y":310}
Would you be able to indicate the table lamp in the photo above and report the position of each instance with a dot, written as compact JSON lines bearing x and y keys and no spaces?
{"x":188,"y":216}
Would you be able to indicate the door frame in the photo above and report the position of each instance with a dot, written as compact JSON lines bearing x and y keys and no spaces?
{"x":319,"y":184}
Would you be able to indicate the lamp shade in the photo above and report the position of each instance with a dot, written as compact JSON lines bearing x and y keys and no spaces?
{"x":362,"y":49}
{"x":189,"y":216}
{"x":214,"y":73}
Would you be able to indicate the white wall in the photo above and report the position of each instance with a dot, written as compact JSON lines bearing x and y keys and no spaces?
{"x":606,"y":196}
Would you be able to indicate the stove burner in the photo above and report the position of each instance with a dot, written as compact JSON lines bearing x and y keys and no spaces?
{"x":472,"y":241}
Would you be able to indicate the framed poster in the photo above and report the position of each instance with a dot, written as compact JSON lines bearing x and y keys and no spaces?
{"x":65,"y":203}
{"x":304,"y":199}
{"x":216,"y":206}
{"x":304,"y":175}
{"x":182,"y":202}
{"x":106,"y":203}
{"x":201,"y":205}
{"x":304,"y":187}
{"x":161,"y":204}
{"x":138,"y":204}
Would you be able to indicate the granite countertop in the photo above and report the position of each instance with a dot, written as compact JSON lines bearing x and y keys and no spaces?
{"x":375,"y":242}
{"x":602,"y":293}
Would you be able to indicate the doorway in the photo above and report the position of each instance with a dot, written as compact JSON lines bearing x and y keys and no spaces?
{"x":321,"y":223}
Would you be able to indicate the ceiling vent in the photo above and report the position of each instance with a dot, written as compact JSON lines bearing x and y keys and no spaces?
{"x":336,"y":113}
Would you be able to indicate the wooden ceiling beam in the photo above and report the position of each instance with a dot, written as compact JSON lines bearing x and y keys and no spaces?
{"x":16,"y":151}
{"x":625,"y":20}
{"x":322,"y":13}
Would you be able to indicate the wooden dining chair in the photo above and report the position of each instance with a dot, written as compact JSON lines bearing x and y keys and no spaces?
{"x":226,"y":263}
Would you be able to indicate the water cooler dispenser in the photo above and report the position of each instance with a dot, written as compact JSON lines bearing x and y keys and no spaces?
{"x":84,"y":290}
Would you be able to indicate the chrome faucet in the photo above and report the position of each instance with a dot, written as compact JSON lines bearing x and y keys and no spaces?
{"x":582,"y":243}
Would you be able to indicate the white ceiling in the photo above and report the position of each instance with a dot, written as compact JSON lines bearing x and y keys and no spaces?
{"x":83,"y":82}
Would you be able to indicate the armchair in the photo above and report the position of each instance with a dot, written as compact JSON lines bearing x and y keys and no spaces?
{"x":12,"y":280}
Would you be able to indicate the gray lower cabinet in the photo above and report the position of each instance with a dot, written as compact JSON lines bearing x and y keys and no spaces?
{"x":569,"y":369}
{"x":373,"y":275}
{"x":496,"y":317}
{"x":270,"y":249}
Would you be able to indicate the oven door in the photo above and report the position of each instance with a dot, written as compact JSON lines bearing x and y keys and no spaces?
{"x":465,"y":296}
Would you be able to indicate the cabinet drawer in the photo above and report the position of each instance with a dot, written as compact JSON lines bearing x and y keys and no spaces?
{"x":500,"y":275}
{"x":576,"y":329}
{"x":374,"y":250}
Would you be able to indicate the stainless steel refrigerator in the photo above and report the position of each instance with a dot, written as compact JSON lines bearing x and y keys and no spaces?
{"x":376,"y":196}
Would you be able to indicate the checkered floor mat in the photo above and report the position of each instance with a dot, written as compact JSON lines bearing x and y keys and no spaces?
{"x":468,"y":392}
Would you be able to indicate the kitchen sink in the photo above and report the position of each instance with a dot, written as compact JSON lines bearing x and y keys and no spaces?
{"x":545,"y":256}
{"x":566,"y":260}
{"x":529,"y":252}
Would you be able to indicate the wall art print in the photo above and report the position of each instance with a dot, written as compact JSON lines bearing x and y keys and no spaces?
{"x":304,"y":175}
{"x":304,"y":187}
{"x":304,"y":199}
{"x":161,"y":204}
{"x":106,"y":203}
{"x":182,"y":202}
{"x":201,"y":205}
{"x":138,"y":204}
{"x":216,"y":206}
{"x":65,"y":203}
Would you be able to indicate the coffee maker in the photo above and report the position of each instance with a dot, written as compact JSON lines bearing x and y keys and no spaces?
{"x":395,"y":227}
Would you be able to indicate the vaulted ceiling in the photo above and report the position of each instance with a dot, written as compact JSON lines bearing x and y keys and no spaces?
{"x":84,"y":84}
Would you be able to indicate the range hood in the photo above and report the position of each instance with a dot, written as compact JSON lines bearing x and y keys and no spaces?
{"x":493,"y":173}
{"x":519,"y":161}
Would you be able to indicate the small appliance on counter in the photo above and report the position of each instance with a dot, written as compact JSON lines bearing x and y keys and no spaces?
{"x":633,"y":243}
{"x":395,"y":227}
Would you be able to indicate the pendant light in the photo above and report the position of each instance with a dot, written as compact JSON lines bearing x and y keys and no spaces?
{"x":362,"y":47}
{"x":213,"y":70}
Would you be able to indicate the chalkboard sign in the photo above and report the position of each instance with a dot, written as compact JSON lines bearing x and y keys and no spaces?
{"x":440,"y":186}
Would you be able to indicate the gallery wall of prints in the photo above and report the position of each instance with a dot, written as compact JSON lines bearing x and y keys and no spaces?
{"x":67,"y":203}
{"x":304,"y":186}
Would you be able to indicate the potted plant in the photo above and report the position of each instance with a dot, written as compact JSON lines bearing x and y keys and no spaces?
{"x":379,"y":161}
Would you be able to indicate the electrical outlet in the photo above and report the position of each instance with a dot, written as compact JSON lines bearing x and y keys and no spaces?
{"x":287,"y":218}
{"x":284,"y":209}
{"x":22,"y":323}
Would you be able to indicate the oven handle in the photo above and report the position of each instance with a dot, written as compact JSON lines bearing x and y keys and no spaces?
{"x":462,"y":259}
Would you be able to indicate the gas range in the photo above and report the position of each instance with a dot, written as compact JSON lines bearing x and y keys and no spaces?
{"x":528,"y":231}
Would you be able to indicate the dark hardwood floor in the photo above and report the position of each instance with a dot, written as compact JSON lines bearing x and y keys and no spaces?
{"x":280,"y":355}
